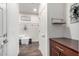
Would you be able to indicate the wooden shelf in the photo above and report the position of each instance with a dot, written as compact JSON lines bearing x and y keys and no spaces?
{"x":58,"y":23}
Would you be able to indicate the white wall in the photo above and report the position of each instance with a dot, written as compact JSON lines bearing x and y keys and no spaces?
{"x":12,"y":28}
{"x":56,"y":10}
{"x":43,"y":30}
{"x":73,"y":28}
{"x":61,"y":11}
{"x":32,"y":26}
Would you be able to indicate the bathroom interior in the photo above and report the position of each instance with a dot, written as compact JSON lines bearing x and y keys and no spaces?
{"x":39,"y":29}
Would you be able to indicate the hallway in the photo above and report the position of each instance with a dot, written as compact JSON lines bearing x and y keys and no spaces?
{"x":30,"y":50}
{"x":40,"y":24}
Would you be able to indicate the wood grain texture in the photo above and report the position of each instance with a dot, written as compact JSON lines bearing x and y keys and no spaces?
{"x":30,"y":50}
{"x":66,"y":46}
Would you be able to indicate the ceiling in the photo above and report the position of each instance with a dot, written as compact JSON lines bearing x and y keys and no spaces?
{"x":28,"y":8}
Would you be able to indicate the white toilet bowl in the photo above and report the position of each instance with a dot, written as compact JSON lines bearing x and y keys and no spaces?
{"x":24,"y":39}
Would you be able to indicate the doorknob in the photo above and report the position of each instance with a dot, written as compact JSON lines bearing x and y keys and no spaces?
{"x":5,"y":41}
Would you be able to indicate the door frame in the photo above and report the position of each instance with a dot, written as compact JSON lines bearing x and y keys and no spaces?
{"x":4,"y":30}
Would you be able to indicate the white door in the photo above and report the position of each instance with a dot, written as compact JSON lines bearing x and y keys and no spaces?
{"x":3,"y":29}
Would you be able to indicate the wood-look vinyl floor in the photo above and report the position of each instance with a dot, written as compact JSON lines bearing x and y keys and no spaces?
{"x":30,"y":50}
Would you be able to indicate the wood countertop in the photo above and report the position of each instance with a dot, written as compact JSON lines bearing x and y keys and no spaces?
{"x":69,"y":43}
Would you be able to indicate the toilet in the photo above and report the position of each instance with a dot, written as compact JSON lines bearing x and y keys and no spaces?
{"x":24,"y":39}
